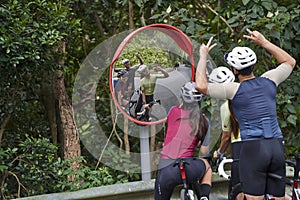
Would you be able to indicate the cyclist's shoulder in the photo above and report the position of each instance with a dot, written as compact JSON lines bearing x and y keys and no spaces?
{"x":175,"y":109}
{"x":224,"y":105}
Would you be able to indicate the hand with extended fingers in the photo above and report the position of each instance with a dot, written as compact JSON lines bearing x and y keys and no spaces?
{"x":204,"y":49}
{"x":256,"y":37}
{"x":201,"y":79}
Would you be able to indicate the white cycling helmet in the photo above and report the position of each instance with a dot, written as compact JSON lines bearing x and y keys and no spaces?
{"x":221,"y":75}
{"x":240,"y":58}
{"x":189,"y":94}
{"x":142,"y":68}
{"x":125,"y":61}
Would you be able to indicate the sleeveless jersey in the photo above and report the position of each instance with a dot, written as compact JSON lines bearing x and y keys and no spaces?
{"x":254,"y":102}
{"x":148,"y":84}
{"x":254,"y":105}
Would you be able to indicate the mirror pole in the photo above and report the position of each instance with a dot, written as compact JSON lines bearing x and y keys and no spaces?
{"x":145,"y":153}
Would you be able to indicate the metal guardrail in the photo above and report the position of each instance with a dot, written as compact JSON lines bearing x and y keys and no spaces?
{"x":133,"y":190}
{"x":138,"y":190}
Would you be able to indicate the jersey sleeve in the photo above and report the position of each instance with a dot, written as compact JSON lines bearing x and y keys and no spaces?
{"x":159,"y":76}
{"x":279,"y":74}
{"x":222,"y":90}
{"x":225,"y":117}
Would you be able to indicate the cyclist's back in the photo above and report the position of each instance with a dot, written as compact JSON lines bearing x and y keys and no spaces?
{"x":255,"y":108}
{"x":182,"y":138}
{"x":254,"y":104}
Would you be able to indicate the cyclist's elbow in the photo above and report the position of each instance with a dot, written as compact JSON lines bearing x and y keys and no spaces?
{"x":292,"y":62}
{"x":201,"y":87}
{"x":204,"y":150}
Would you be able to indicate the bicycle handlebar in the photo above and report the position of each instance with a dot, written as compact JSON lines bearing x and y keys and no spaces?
{"x":154,"y":102}
{"x":221,"y":170}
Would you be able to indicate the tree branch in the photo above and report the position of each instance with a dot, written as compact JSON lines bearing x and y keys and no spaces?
{"x":19,"y":184}
{"x":216,"y":13}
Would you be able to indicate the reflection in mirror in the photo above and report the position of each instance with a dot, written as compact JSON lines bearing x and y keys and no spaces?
{"x":146,"y":90}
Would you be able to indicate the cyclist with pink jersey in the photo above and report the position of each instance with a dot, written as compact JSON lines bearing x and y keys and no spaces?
{"x":188,"y":128}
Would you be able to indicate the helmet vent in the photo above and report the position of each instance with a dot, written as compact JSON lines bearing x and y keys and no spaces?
{"x":241,"y":57}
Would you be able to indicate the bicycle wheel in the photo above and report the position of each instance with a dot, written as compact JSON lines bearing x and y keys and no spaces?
{"x":186,"y":195}
{"x":183,"y":195}
{"x":236,"y":190}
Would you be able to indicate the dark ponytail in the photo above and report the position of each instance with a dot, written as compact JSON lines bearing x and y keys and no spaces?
{"x":198,"y":120}
{"x":235,"y":128}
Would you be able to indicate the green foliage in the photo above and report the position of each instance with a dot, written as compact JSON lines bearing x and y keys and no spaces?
{"x":122,"y":163}
{"x":34,"y":166}
{"x":86,"y":177}
{"x":149,"y":55}
{"x":31,"y":166}
{"x":31,"y":34}
{"x":31,"y":30}
{"x":288,"y":107}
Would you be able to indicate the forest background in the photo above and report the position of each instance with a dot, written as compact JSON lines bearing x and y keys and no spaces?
{"x":43,"y":44}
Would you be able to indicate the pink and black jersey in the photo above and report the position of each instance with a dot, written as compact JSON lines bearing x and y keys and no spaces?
{"x":178,"y":142}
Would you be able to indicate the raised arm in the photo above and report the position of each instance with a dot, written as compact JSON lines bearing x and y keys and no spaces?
{"x":140,"y":58}
{"x":164,"y":72}
{"x":201,"y":79}
{"x":280,"y":55}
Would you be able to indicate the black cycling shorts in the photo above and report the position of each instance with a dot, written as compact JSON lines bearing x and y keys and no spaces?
{"x":235,"y":177}
{"x":257,"y":158}
{"x":169,"y":177}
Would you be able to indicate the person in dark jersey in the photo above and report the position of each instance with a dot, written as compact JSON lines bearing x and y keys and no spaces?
{"x":130,"y":86}
{"x":253,"y":101}
{"x":120,"y":89}
{"x":187,"y":129}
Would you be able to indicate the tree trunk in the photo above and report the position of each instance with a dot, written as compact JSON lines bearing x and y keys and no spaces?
{"x":98,"y":24}
{"x":126,"y":140}
{"x":142,"y":16}
{"x":130,"y":14}
{"x":69,"y":136}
